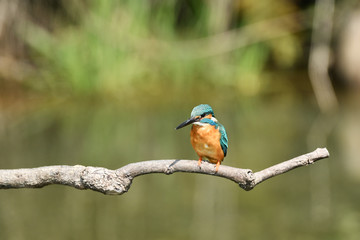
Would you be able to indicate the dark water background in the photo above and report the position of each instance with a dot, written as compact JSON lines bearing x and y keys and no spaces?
{"x":315,"y":202}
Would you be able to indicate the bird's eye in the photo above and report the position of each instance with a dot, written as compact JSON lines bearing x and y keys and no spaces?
{"x":203,"y":115}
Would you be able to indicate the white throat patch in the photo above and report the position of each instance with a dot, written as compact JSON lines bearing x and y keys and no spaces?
{"x":214,"y":119}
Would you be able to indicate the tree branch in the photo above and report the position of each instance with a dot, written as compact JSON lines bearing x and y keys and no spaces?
{"x":118,"y":181}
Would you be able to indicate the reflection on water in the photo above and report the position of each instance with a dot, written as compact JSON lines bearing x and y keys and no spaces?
{"x":317,"y":202}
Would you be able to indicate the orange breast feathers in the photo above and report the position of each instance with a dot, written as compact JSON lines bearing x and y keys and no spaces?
{"x":206,"y":142}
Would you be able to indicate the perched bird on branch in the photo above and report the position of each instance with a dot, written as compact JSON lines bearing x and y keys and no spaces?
{"x":208,"y":137}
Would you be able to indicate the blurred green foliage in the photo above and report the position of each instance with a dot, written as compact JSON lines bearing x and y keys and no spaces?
{"x":120,"y":47}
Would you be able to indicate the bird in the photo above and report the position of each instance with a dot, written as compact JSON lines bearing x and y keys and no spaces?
{"x":207,"y":136}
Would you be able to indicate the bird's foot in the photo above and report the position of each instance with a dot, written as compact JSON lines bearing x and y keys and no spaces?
{"x":217,"y":166}
{"x":199,"y":162}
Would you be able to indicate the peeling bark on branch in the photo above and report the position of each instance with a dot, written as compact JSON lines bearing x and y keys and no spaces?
{"x":119,"y":181}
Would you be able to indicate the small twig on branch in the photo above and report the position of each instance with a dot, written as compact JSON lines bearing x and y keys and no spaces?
{"x":118,"y":181}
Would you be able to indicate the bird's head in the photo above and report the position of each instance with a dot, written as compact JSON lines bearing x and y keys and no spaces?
{"x":199,"y":112}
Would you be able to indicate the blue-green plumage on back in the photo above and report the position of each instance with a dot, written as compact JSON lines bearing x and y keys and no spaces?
{"x":208,"y":136}
{"x":223,"y":139}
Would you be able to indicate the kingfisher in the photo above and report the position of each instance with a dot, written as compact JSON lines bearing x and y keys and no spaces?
{"x":208,"y":137}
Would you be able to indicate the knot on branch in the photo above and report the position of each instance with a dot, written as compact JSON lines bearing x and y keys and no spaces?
{"x":319,"y":153}
{"x":249,"y":181}
{"x":105,"y":180}
{"x":170,"y":168}
{"x":309,"y":160}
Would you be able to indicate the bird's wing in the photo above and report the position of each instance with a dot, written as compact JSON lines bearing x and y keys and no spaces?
{"x":223,"y":139}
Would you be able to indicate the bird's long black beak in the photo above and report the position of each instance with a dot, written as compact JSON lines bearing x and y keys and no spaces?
{"x":187,"y":122}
